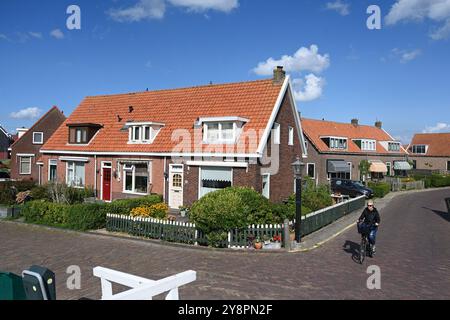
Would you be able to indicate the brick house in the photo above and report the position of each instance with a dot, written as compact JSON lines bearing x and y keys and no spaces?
{"x":5,"y":142}
{"x":25,"y":152}
{"x":181,"y":143}
{"x":335,"y":150}
{"x":430,"y":152}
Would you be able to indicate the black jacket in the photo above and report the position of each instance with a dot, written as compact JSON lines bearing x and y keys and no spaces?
{"x":370,"y":218}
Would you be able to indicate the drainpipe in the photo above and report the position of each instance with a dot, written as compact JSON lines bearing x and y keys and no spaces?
{"x":95,"y":176}
{"x":164,"y":178}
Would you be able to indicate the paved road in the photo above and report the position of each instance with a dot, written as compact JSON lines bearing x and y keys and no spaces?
{"x":413,"y":254}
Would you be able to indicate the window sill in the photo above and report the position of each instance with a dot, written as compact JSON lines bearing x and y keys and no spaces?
{"x":135,"y":193}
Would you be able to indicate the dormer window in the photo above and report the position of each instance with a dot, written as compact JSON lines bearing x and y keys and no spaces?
{"x":336,"y":143}
{"x":82,"y":133}
{"x":419,"y":149}
{"x":394,"y":146}
{"x":221,"y":130}
{"x":366,"y":144}
{"x":143,"y":132}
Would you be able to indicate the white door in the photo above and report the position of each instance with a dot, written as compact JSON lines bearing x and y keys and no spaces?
{"x":175,"y":186}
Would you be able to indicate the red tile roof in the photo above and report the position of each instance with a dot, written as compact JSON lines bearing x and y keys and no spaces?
{"x":315,"y":129}
{"x":438,"y":143}
{"x":176,"y":108}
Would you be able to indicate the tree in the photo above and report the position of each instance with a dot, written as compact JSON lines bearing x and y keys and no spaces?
{"x":364,"y":167}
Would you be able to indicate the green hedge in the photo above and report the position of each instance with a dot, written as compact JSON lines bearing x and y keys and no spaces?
{"x":380,"y":189}
{"x":82,"y":216}
{"x":434,"y":180}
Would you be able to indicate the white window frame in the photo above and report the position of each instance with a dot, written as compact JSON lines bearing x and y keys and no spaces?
{"x":220,"y":140}
{"x":291,"y":136}
{"x":276,"y":133}
{"x":141,"y":139}
{"x":42,"y":138}
{"x":73,"y":164}
{"x":200,"y":180}
{"x":52,"y":162}
{"x":307,"y":169}
{"x":127,"y":167}
{"x":268,"y":185}
{"x":20,"y":165}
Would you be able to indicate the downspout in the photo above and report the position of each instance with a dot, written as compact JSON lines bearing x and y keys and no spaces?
{"x":95,"y":176}
{"x":164,"y":178}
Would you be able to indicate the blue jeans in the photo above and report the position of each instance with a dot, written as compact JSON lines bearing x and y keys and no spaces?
{"x":371,"y":230}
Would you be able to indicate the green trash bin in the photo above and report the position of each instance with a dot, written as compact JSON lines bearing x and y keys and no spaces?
{"x":11,"y":287}
{"x":447,"y":201}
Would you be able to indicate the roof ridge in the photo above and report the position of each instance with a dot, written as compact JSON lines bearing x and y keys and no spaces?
{"x":180,"y":88}
{"x":337,"y":122}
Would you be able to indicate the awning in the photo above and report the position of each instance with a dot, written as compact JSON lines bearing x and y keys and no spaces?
{"x":338,"y":166}
{"x":216,"y":174}
{"x":402,"y":165}
{"x":378,"y":166}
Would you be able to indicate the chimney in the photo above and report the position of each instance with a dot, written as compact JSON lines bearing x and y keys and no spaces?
{"x":278,"y":75}
{"x":355,"y":122}
{"x":379,"y":124}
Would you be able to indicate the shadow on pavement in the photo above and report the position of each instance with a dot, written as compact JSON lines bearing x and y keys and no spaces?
{"x":442,"y":214}
{"x":353,"y":249}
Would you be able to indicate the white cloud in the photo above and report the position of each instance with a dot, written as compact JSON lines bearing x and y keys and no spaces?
{"x":441,"y":33}
{"x":419,"y":10}
{"x":305,"y":59}
{"x":204,"y":5}
{"x":57,"y":34}
{"x":439,"y":127}
{"x":340,"y":7}
{"x":36,"y":35}
{"x":405,"y":55}
{"x":143,"y":10}
{"x":28,"y":113}
{"x":3,"y":37}
{"x":309,"y":89}
{"x":156,"y":9}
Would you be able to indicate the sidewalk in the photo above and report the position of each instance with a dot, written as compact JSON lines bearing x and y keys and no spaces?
{"x":322,"y":236}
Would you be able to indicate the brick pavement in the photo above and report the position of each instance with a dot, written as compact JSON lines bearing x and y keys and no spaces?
{"x":413,"y":254}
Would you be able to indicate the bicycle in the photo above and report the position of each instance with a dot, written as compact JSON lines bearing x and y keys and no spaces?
{"x":365,"y":246}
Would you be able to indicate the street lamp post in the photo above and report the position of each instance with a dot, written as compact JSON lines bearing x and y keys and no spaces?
{"x":297,"y":167}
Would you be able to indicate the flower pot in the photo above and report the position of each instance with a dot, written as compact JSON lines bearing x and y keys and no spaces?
{"x":258,"y":245}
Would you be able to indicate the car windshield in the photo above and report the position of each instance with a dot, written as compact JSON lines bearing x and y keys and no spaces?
{"x":359,"y":184}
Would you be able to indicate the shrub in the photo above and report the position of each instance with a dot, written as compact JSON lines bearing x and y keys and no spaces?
{"x":380,"y":189}
{"x":61,"y":193}
{"x":438,"y":181}
{"x":88,"y":216}
{"x":40,"y":193}
{"x":159,"y":211}
{"x":143,"y":212}
{"x":9,"y":190}
{"x":281,"y":211}
{"x":218,"y":212}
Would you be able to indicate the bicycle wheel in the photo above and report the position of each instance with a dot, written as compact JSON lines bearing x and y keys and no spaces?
{"x":362,"y":250}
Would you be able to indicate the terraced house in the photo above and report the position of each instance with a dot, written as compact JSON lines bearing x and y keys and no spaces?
{"x":181,"y":143}
{"x":335,"y":150}
{"x":430,"y":152}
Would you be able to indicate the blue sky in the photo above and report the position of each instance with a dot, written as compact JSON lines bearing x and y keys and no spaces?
{"x":342,"y":70}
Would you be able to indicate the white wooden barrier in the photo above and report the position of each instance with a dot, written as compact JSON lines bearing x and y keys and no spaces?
{"x":141,"y":288}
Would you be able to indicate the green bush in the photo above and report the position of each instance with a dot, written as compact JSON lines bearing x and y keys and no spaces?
{"x":88,"y":216}
{"x":220,"y":211}
{"x":40,"y":193}
{"x":380,"y":189}
{"x":281,"y":211}
{"x":438,"y":181}
{"x":9,"y":189}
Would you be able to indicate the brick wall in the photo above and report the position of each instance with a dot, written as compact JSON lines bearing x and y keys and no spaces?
{"x":431,"y":163}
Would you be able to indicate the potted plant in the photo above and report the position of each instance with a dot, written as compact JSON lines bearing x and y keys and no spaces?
{"x":257,"y":243}
{"x":184,"y":211}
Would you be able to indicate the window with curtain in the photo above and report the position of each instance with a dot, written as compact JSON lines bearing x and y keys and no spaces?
{"x":214,"y":178}
{"x":25,"y":165}
{"x":75,"y":174}
{"x":52,"y":171}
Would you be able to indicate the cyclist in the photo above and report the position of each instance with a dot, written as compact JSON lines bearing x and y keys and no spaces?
{"x":368,"y":222}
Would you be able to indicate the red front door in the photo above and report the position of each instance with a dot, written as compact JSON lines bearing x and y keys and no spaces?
{"x":106,"y":196}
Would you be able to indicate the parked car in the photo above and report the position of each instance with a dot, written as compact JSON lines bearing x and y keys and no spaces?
{"x":350,"y":188}
{"x":4,"y":176}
